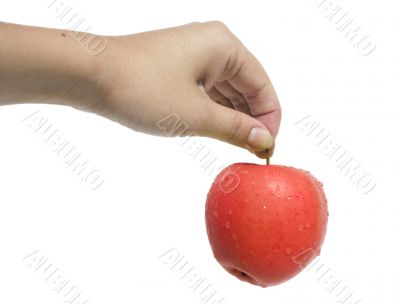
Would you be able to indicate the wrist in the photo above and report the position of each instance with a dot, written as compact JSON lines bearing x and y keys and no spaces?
{"x":96,"y":79}
{"x":82,"y":76}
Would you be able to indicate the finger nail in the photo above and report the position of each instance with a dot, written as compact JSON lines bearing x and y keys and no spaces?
{"x":259,"y":139}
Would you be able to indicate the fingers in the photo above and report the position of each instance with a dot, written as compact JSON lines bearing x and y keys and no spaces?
{"x":236,"y":128}
{"x":235,"y":97}
{"x":266,"y":153}
{"x":218,"y":97}
{"x":249,"y":78}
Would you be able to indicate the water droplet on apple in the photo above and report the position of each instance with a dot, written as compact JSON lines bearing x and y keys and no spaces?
{"x":307,"y":225}
{"x":227,"y":224}
{"x":237,"y":246}
{"x":234,"y":237}
{"x":300,"y":228}
{"x":230,"y":212}
{"x":216,"y":213}
{"x":288,"y":251}
{"x":291,"y":198}
{"x":277,"y":188}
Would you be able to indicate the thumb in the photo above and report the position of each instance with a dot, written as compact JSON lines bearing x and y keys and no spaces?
{"x":237,"y":128}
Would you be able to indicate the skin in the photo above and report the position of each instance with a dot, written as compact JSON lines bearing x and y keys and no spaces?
{"x":200,"y":72}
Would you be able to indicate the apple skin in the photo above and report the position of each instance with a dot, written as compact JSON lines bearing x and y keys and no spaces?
{"x":265,"y":223}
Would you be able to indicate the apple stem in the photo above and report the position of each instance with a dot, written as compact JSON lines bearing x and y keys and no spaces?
{"x":267,"y":160}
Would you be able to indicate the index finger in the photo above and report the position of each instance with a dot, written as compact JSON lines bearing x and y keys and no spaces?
{"x":251,"y":80}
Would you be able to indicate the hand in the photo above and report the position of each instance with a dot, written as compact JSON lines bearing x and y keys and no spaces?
{"x":200,"y":73}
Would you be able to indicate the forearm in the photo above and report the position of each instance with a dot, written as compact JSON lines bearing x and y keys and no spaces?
{"x":45,"y":66}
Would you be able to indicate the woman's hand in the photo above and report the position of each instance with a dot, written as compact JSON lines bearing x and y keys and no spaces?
{"x":200,"y":74}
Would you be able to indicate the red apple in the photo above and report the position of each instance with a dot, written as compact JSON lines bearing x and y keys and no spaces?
{"x":265,"y":223}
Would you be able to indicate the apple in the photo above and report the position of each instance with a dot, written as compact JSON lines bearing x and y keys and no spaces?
{"x":265,"y":223}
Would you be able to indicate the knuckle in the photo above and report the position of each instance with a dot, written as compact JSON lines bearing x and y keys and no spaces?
{"x":217,"y":25}
{"x":218,"y":30}
{"x":219,"y":35}
{"x":236,"y":127}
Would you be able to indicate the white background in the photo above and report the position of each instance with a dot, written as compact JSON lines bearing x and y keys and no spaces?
{"x":108,"y":242}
